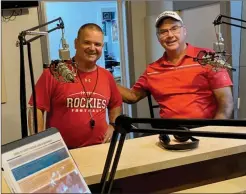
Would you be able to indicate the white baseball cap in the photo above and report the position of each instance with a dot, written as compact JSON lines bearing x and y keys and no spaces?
{"x":168,"y":14}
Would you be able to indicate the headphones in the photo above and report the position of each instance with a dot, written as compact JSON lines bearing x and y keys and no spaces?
{"x":182,"y":145}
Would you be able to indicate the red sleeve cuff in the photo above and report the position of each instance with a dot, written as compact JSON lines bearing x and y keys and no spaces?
{"x":40,"y":107}
{"x":221,"y":86}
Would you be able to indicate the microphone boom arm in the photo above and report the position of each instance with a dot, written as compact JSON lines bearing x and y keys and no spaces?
{"x":37,"y":37}
{"x":219,"y":21}
{"x":24,"y":33}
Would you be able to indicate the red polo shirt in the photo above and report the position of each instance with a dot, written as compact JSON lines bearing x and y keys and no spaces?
{"x":183,"y":90}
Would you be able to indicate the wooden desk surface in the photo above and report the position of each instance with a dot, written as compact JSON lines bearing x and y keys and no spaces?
{"x":142,"y":155}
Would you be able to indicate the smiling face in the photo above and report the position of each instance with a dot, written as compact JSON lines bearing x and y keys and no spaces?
{"x":89,"y":45}
{"x":171,"y":35}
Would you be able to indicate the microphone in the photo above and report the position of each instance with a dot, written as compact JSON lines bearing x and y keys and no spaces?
{"x":215,"y":59}
{"x":65,"y":72}
{"x":64,"y":52}
{"x":220,"y":63}
{"x":61,"y":71}
{"x":219,"y":46}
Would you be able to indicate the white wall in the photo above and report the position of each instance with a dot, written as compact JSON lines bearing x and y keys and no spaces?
{"x":139,"y":45}
{"x":11,"y":126}
{"x":199,"y":24}
{"x":154,"y":50}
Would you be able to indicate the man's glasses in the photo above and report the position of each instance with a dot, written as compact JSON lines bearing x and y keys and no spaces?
{"x":174,"y":30}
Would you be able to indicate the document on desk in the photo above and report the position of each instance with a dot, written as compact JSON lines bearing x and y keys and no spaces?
{"x":41,"y":164}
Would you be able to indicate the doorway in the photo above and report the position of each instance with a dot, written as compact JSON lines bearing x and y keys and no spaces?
{"x":74,"y":15}
{"x":109,"y":15}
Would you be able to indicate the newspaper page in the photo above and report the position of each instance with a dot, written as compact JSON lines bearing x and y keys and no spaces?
{"x":43,"y":166}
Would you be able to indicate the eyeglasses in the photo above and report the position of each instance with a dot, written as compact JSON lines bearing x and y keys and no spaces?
{"x":174,"y":30}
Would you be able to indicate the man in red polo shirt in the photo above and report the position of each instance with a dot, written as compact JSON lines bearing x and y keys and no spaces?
{"x":182,"y":87}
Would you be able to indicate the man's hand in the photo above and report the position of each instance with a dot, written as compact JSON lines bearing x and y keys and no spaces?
{"x":108,"y":134}
{"x":112,"y":115}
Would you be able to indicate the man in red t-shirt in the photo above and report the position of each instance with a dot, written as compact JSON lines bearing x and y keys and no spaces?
{"x":182,"y":87}
{"x":78,"y":110}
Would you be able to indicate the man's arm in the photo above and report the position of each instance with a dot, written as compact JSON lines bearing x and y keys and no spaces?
{"x":131,"y":96}
{"x":112,"y":114}
{"x":225,"y":103}
{"x":40,"y":120}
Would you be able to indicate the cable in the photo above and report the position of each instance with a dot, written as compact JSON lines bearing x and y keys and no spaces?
{"x":12,"y":17}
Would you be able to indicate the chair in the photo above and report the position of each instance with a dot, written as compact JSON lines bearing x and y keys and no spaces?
{"x":151,"y":106}
{"x":151,"y":110}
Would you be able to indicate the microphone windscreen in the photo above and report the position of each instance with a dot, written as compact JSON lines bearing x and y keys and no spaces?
{"x":201,"y":56}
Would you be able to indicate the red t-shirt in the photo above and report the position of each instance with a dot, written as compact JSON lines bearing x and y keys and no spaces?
{"x":184,"y":90}
{"x":68,"y":110}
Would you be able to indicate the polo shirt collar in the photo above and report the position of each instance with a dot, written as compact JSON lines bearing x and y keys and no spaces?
{"x":190,"y":52}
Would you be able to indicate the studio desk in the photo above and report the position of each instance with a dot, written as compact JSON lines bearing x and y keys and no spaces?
{"x":145,"y":167}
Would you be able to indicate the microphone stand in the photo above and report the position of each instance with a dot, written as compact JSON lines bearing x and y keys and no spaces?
{"x":21,"y":43}
{"x":123,"y":125}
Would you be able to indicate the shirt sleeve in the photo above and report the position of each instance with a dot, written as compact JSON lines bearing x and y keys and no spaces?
{"x":115,"y":97}
{"x":142,"y":83}
{"x":43,"y":89}
{"x":219,"y":79}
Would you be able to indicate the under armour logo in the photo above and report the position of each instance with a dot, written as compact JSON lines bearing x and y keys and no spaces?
{"x":87,"y":80}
